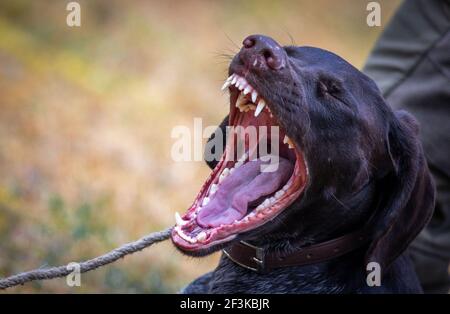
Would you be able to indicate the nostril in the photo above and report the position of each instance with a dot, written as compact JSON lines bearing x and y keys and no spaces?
{"x":248,"y":42}
{"x":271,"y":59}
{"x":267,"y":54}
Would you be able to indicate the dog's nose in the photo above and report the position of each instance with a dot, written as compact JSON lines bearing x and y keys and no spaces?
{"x":260,"y":50}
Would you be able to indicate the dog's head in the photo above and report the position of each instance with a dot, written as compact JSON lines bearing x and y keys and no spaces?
{"x":343,"y":158}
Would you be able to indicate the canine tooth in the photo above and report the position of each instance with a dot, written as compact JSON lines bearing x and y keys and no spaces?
{"x":234,"y":79}
{"x":254,"y":96}
{"x":285,"y":139}
{"x":180,"y":221}
{"x":201,"y":236}
{"x":247,"y":89}
{"x":260,"y":107}
{"x":285,"y":188}
{"x":205,"y":201}
{"x":266,"y":202}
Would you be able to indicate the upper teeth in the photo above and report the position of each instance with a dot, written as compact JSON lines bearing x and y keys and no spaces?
{"x":242,"y":84}
{"x":260,"y":107}
{"x":254,"y":96}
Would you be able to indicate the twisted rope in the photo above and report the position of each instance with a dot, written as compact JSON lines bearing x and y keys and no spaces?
{"x":110,"y":257}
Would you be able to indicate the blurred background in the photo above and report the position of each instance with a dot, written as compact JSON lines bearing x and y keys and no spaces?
{"x":86,"y":115}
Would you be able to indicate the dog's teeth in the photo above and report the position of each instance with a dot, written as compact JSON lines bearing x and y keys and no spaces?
{"x":201,"y":236}
{"x":260,"y":107}
{"x":225,"y":85}
{"x":247,"y":89}
{"x":254,"y":96}
{"x":266,"y":202}
{"x":279,"y":194}
{"x":234,"y":79}
{"x":288,"y":141}
{"x":242,"y":107}
{"x":243,"y":157}
{"x":184,"y":235}
{"x":242,"y":83}
{"x":213,"y":189}
{"x":205,"y":201}
{"x":180,"y":221}
{"x":241,"y":100}
{"x":223,"y":175}
{"x":285,"y":188}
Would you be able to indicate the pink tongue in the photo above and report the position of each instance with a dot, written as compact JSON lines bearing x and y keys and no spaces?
{"x":245,"y":185}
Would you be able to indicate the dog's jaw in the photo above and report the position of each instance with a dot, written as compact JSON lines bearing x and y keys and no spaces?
{"x":202,"y":230}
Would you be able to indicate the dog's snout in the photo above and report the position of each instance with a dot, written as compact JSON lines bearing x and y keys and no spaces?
{"x":259,"y":51}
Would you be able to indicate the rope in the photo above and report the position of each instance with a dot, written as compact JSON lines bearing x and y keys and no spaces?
{"x":110,"y":257}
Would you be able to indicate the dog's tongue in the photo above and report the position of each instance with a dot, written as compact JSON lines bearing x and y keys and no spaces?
{"x":245,"y":185}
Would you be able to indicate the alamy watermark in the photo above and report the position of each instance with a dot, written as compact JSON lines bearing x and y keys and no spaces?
{"x":74,"y":278}
{"x":258,"y":142}
{"x":373,"y":278}
{"x":74,"y":16}
{"x":374,"y":16}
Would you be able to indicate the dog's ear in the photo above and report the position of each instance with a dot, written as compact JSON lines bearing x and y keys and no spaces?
{"x":212,"y":143}
{"x":408,"y":193}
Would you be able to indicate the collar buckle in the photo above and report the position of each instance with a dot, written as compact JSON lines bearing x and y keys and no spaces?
{"x":257,"y":257}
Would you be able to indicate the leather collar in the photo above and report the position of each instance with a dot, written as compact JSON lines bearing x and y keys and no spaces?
{"x":257,"y":259}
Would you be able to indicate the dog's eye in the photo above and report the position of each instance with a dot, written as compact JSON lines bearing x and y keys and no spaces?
{"x":328,"y":87}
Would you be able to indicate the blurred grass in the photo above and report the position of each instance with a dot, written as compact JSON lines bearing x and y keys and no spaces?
{"x":86,"y":115}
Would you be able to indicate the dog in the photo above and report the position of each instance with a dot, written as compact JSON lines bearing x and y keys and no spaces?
{"x":351,"y":191}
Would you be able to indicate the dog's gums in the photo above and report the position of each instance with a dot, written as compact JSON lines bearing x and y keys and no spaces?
{"x":239,"y":195}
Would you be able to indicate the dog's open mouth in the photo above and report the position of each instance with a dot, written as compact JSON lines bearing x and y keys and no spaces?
{"x":254,"y":181}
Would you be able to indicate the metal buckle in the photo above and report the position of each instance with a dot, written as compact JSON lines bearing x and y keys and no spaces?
{"x":259,"y":259}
